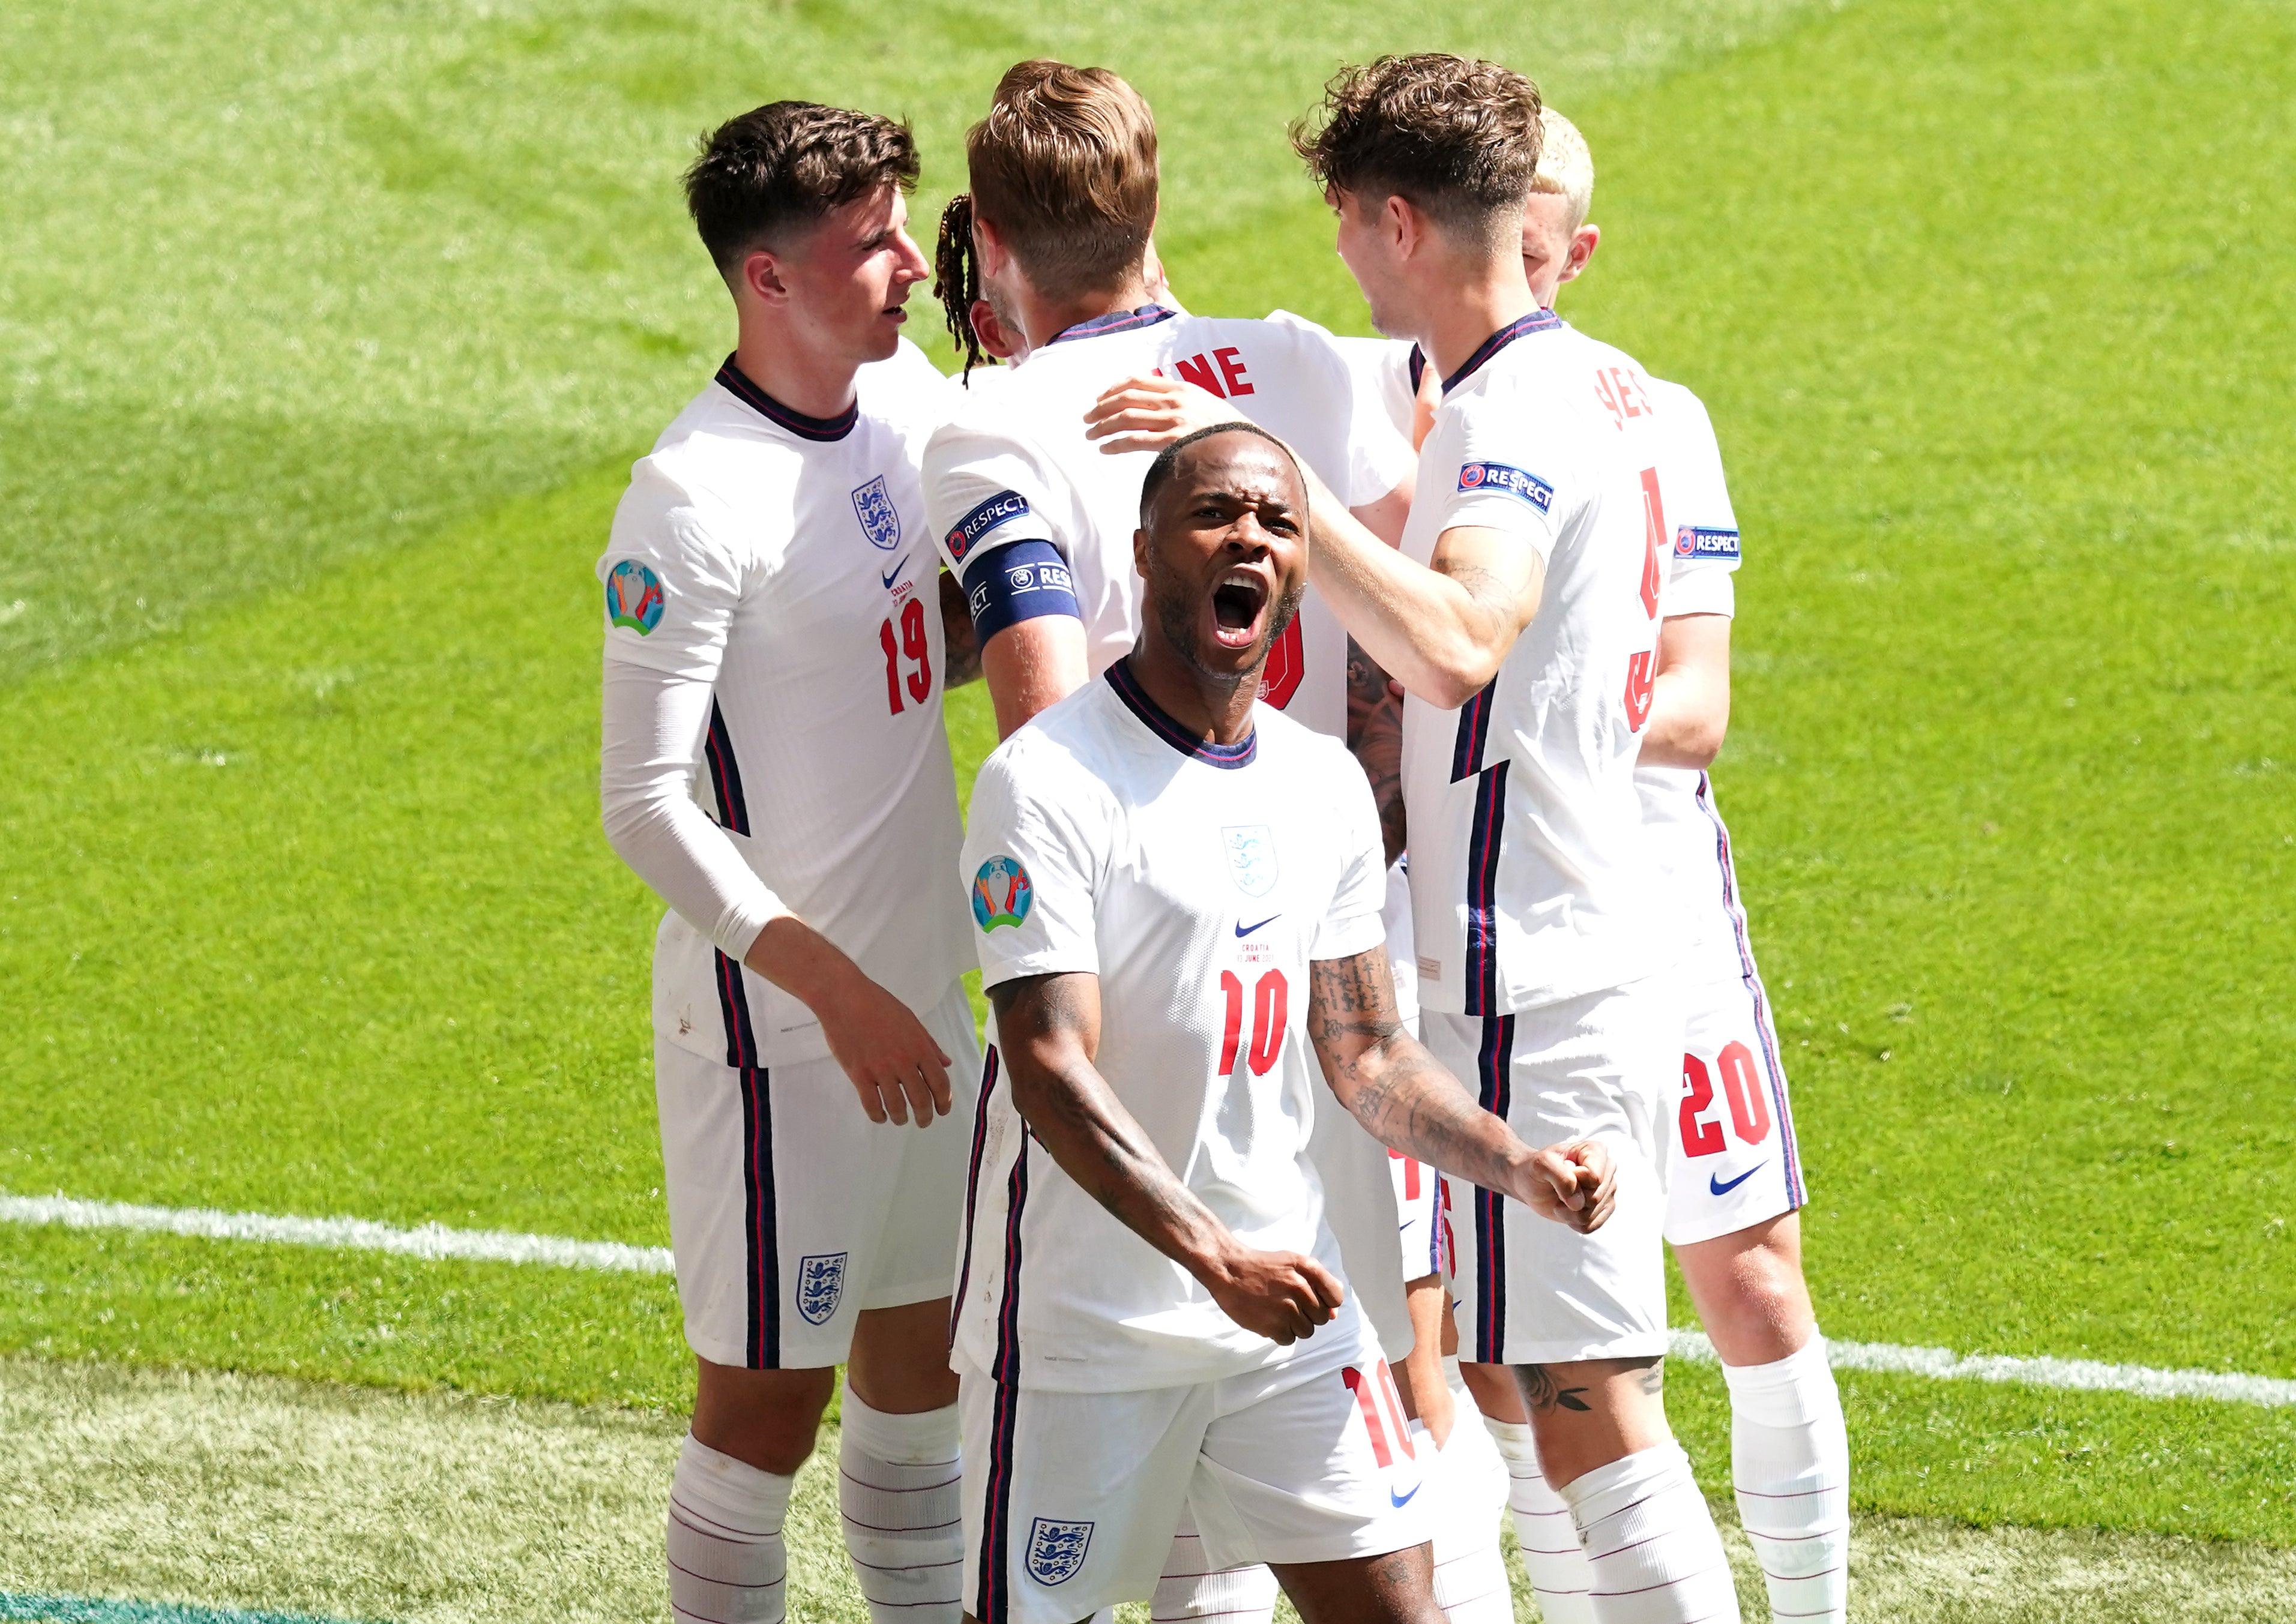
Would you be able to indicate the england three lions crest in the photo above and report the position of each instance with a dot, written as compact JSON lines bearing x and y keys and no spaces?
{"x":881,"y":521}
{"x":1056,"y":1550}
{"x":1251,"y":863}
{"x":820,"y":1283}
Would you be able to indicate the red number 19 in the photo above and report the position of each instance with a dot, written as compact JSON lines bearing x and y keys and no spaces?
{"x":913,"y":644}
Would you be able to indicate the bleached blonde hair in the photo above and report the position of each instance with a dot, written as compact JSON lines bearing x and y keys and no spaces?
{"x":1565,"y":166}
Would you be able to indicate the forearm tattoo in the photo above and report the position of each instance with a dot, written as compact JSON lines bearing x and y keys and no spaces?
{"x":1376,"y":736}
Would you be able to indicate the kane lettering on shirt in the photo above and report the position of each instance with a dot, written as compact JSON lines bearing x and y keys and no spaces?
{"x":1701,"y":569}
{"x":1013,"y":480}
{"x":1528,"y":873}
{"x":786,"y":561}
{"x":1197,"y":884}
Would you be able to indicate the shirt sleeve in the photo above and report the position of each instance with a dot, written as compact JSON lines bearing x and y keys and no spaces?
{"x":1370,"y":390}
{"x":983,"y":490}
{"x":1354,"y":924}
{"x":1033,"y":858}
{"x":1704,"y":552}
{"x":653,"y":723}
{"x":1506,"y":473}
{"x":671,"y":581}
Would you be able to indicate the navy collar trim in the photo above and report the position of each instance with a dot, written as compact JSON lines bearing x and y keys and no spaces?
{"x":1418,"y":368}
{"x":1153,"y":717}
{"x":1115,"y":321}
{"x":1538,"y":321}
{"x":736,"y":382}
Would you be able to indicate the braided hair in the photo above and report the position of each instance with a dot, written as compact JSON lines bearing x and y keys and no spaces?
{"x":956,"y":277}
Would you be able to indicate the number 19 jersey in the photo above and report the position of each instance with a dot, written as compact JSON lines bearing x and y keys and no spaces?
{"x":1197,"y":884}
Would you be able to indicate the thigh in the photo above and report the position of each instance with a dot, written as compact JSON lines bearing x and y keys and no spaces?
{"x":1532,"y":1290}
{"x":1070,"y":1498}
{"x":1727,"y":1140}
{"x":916,"y":1254}
{"x":1311,"y":1461}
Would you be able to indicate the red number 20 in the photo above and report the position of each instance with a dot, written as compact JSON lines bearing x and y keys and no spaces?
{"x":914,"y":645}
{"x":1270,"y":1009}
{"x":1750,"y":1112}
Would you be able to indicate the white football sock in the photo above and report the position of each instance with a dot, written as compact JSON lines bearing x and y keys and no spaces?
{"x":727,"y":1564}
{"x":1470,"y":1483}
{"x":1190,"y":1589}
{"x":1550,"y":1553}
{"x":1650,"y":1543}
{"x":1789,"y":1461}
{"x":897,"y":1486}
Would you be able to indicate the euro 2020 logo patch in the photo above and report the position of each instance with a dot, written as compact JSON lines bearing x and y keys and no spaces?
{"x":881,"y":521}
{"x":1252,"y":862}
{"x":1001,"y":893}
{"x":634,"y":596}
{"x":820,"y":1283}
{"x":1056,"y":1550}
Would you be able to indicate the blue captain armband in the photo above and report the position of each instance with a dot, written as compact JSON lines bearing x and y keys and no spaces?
{"x":1018,"y":582}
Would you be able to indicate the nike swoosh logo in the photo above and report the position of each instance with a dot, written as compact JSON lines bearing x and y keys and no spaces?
{"x":1717,"y":1187}
{"x":894,"y":573}
{"x":1405,"y":1499}
{"x":1243,"y":929}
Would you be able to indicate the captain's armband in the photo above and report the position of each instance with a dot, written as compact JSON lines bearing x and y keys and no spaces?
{"x":1018,"y":582}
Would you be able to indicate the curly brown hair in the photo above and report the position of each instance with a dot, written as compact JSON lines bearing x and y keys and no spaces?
{"x":1458,"y":139}
{"x":783,"y":166}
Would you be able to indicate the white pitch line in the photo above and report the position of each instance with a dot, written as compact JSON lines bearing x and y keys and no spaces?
{"x":507,"y":1246}
{"x":339,"y":1235}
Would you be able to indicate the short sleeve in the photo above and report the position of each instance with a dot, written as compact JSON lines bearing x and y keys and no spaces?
{"x":671,"y":581}
{"x":1504,"y":474}
{"x":1032,"y":860}
{"x":984,"y":490}
{"x":1704,"y":552}
{"x":1354,"y":923}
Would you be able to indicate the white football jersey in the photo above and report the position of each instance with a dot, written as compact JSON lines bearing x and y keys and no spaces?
{"x":783,"y":559}
{"x":1387,"y":368}
{"x":1197,"y":884}
{"x":1530,"y":872}
{"x":1014,"y":465}
{"x":1702,"y":557}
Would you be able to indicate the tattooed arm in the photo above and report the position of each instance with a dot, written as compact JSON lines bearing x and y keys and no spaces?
{"x":1048,"y":1032}
{"x":961,"y":654}
{"x":1375,"y":735}
{"x":1409,"y":1103}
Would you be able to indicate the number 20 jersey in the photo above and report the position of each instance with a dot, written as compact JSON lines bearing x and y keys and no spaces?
{"x":1197,"y":885}
{"x":1530,"y":878}
{"x":786,"y":561}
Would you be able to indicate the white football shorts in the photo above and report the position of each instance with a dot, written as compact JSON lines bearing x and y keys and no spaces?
{"x":1421,"y":1223}
{"x":1728,"y":1150}
{"x":1529,"y":1291}
{"x":789,"y":1211}
{"x":1070,"y":1498}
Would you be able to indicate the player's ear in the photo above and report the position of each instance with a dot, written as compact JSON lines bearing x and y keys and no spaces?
{"x":1584,"y":242}
{"x":765,"y":278}
{"x":1140,"y":554}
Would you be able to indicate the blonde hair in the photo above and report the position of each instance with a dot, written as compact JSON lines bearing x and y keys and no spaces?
{"x":1565,"y":166}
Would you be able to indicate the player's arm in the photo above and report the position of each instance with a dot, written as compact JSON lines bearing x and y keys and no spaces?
{"x":1409,"y":1103}
{"x":1048,"y":1033}
{"x":654,"y":725}
{"x":1690,"y":696}
{"x":1442,"y":631}
{"x":1031,"y":666}
{"x":961,"y":655}
{"x":1375,"y":740}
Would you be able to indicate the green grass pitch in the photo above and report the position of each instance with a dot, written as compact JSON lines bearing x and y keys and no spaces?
{"x":329,"y":333}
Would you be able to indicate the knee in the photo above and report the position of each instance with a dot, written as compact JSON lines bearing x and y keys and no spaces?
{"x":766,"y":1418}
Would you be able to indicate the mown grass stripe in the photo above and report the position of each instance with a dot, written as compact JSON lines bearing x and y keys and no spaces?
{"x":506,"y":1246}
{"x":103,"y":1610}
{"x":340,"y":1234}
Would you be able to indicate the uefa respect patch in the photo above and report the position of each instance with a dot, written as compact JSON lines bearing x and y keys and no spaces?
{"x":1514,"y":481}
{"x":965,"y":534}
{"x":634,"y":596}
{"x":1001,"y":894}
{"x":1691,"y":542}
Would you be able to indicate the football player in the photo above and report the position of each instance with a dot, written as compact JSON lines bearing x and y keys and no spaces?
{"x":773,"y":764}
{"x":1176,"y":895}
{"x":1521,"y":616}
{"x":1733,"y":1171}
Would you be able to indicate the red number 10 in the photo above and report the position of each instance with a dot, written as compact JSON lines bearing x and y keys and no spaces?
{"x":1270,"y":1008}
{"x":914,"y":645}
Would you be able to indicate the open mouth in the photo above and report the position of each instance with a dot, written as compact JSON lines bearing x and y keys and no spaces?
{"x":1237,"y":604}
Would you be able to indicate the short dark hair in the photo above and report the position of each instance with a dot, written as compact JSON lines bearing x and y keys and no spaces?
{"x":1456,"y":138}
{"x":783,"y":166}
{"x":1167,"y":461}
